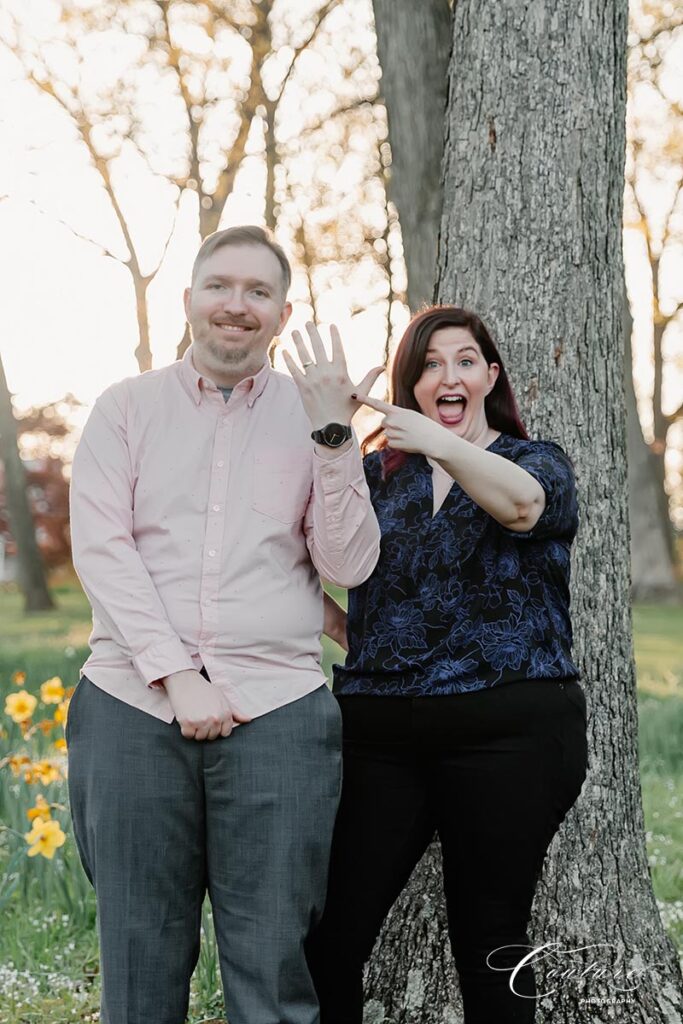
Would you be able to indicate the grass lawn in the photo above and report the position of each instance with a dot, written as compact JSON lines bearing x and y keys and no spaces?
{"x":48,"y":942}
{"x":49,"y":643}
{"x":658,"y":643}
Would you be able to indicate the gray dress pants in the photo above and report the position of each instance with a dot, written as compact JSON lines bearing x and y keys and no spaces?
{"x":159,"y":820}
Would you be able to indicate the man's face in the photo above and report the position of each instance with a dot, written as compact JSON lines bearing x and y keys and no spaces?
{"x":235,"y":308}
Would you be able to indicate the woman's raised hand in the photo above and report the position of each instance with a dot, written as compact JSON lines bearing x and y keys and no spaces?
{"x":407,"y":430}
{"x":324,"y":384}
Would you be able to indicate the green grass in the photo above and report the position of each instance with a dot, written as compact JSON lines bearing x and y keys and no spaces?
{"x":660,"y":734}
{"x":663,"y":803}
{"x":68,"y":624}
{"x":48,"y":941}
{"x":44,"y":644}
{"x":658,"y":645}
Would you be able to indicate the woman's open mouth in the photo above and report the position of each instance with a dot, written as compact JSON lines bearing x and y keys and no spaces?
{"x":451,"y":409}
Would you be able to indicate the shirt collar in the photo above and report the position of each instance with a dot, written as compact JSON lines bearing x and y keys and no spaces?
{"x":193,"y":380}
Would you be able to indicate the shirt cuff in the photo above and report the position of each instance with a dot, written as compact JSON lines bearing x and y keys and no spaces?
{"x":161,"y":659}
{"x":340,"y":472}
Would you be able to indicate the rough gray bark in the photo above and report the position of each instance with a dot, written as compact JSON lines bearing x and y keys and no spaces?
{"x":413,"y":43}
{"x":652,"y":571}
{"x":531,"y":239}
{"x":31,"y":571}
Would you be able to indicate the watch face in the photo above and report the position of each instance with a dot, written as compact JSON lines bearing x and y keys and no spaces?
{"x":334,"y":434}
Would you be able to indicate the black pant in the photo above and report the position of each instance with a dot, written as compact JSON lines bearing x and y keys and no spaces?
{"x":494,"y":773}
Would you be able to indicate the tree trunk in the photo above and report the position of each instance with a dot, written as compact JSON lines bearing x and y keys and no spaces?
{"x":652,"y":571}
{"x":143,"y":352}
{"x":31,"y":571}
{"x":660,"y":426}
{"x":413,"y":42}
{"x":531,"y":238}
{"x":184,"y":343}
{"x":271,"y":158}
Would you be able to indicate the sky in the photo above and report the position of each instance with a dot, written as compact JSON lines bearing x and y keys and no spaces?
{"x":68,"y":309}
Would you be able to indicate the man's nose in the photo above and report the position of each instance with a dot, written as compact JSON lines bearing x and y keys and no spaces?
{"x":234,"y":302}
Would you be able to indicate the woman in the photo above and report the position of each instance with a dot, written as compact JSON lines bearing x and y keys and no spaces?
{"x":462,"y":711}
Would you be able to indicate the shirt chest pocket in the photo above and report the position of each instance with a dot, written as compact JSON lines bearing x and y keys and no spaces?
{"x":281,"y":484}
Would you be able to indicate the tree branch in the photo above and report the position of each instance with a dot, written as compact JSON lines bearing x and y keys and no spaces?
{"x":84,"y":126}
{"x":58,"y":220}
{"x":356,"y":105}
{"x":675,"y":107}
{"x":320,"y":17}
{"x":669,"y":25}
{"x":174,"y":55}
{"x":641,"y":211}
{"x":170,"y":236}
{"x":670,"y":215}
{"x":219,"y":14}
{"x":254,"y":96}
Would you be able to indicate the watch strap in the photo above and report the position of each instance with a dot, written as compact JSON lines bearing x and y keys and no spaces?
{"x":333,"y":435}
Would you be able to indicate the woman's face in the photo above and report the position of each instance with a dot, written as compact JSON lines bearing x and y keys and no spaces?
{"x":455,"y":381}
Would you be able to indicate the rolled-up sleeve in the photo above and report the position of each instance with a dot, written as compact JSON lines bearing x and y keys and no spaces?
{"x":550,"y":465}
{"x":119,"y":587}
{"x":341,"y":528}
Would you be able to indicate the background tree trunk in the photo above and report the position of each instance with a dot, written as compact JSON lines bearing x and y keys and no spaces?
{"x":413,"y":43}
{"x":531,"y":239}
{"x":652,"y":571}
{"x":31,"y":571}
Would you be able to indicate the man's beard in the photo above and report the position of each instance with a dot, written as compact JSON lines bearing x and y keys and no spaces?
{"x":227,"y":356}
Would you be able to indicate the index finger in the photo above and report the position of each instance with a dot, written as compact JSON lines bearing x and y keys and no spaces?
{"x":374,"y":403}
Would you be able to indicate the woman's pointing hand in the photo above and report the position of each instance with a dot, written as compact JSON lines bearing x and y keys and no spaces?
{"x":407,"y":430}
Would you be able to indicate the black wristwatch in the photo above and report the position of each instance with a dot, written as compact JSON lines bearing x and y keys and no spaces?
{"x":333,"y":435}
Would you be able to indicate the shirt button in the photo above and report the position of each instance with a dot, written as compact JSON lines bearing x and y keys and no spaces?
{"x":211,"y":553}
{"x":216,"y":508}
{"x":220,"y":464}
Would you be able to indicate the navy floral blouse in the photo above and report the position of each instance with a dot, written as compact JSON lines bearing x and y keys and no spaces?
{"x":458,"y":602}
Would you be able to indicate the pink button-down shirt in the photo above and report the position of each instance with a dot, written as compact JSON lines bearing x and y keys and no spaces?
{"x":198,"y":530}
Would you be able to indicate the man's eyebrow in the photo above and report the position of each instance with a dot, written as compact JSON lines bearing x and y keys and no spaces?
{"x":249,"y":280}
{"x":465,"y":348}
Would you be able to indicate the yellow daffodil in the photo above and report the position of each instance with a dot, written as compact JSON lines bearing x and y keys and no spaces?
{"x":44,"y":838}
{"x":18,"y":678}
{"x":60,"y":744}
{"x":52,"y":691}
{"x":46,"y":726}
{"x":45,"y":772}
{"x":20,"y":706}
{"x":17,"y":762}
{"x":41,"y":810}
{"x":62,"y":711}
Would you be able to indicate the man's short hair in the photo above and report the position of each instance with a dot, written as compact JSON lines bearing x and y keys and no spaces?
{"x":248,"y":234}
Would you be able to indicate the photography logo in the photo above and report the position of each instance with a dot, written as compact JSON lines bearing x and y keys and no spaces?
{"x":600,"y":966}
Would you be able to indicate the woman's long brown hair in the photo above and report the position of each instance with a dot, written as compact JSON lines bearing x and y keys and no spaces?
{"x":500,"y":406}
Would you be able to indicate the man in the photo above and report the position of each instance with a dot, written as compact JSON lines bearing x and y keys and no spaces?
{"x":204,"y":745}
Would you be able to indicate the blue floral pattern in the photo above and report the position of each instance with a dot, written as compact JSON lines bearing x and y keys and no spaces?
{"x":458,"y":602}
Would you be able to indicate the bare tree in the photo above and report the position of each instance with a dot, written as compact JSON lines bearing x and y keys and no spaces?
{"x":413,"y":44}
{"x":32,"y":578}
{"x":652,"y":568}
{"x":654,"y":167}
{"x":188,"y":58}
